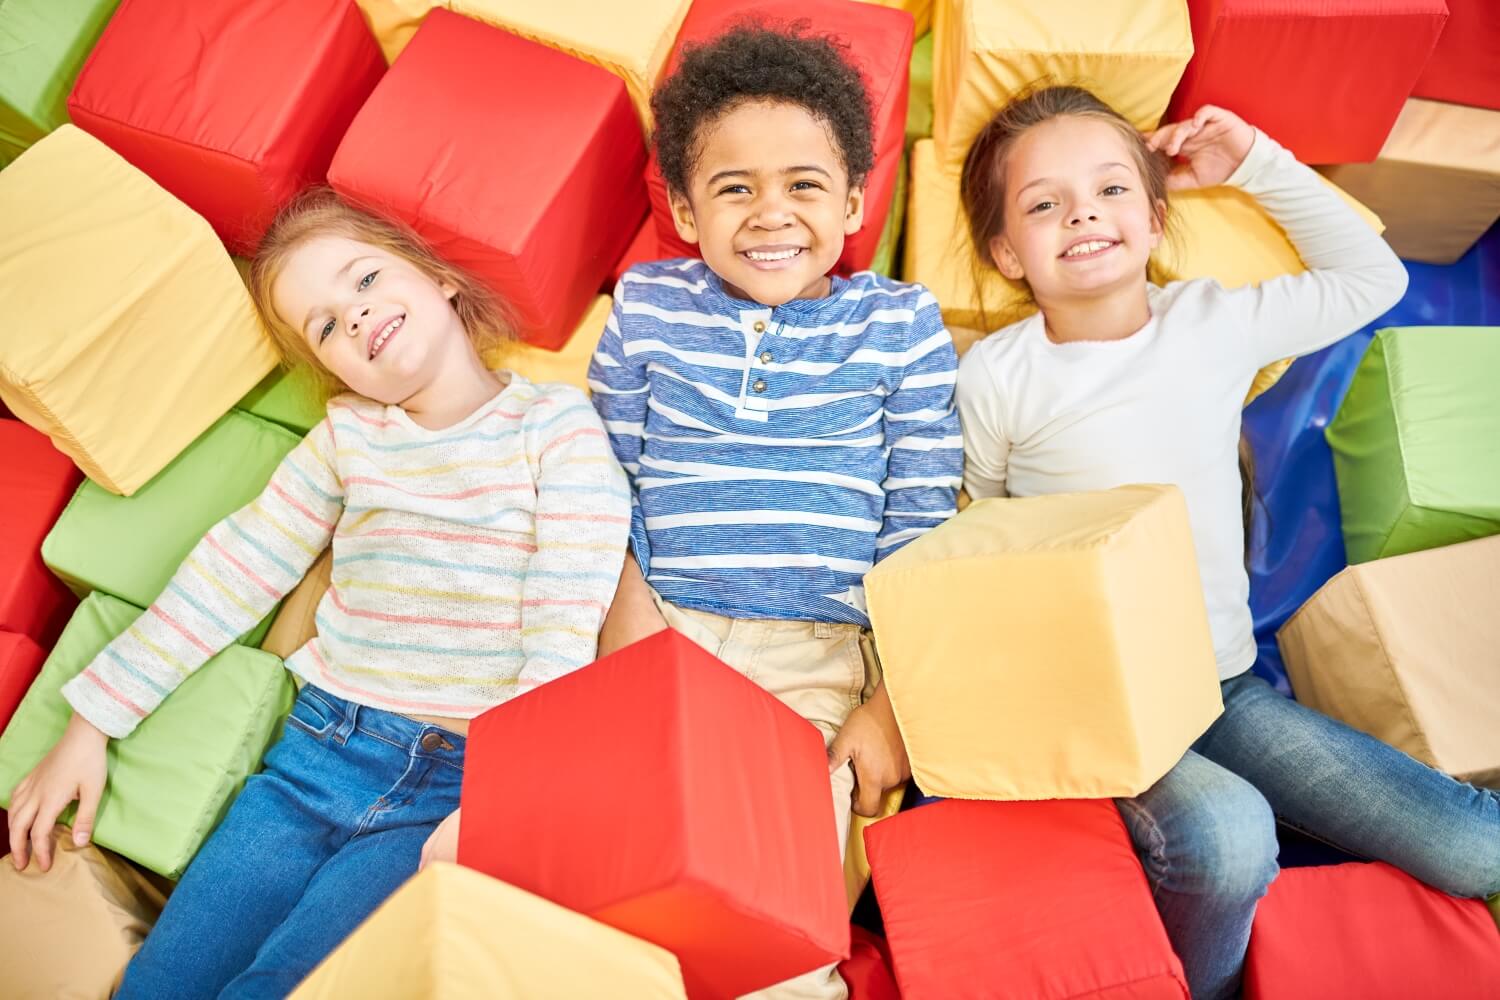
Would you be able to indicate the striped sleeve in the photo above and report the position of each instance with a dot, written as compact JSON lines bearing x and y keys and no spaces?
{"x":621,"y":393}
{"x":582,"y":516}
{"x":229,"y":582}
{"x":925,"y":464}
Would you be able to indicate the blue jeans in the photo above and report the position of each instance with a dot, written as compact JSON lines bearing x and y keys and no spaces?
{"x":1206,"y":832}
{"x":315,"y":842}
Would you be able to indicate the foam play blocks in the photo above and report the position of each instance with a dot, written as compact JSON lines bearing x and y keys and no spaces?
{"x":454,"y":933}
{"x":920,"y":11}
{"x":129,"y":547}
{"x":987,"y":52}
{"x":721,"y":847}
{"x":21,"y":660}
{"x":1463,"y":68}
{"x":1043,"y":900}
{"x":1436,"y":183}
{"x":570,"y":363}
{"x":162,"y":329}
{"x":867,"y":971}
{"x":1404,"y":649}
{"x":292,"y":399}
{"x":884,"y":261}
{"x":1494,"y":906}
{"x":45,"y":44}
{"x":36,"y":481}
{"x":879,"y":42}
{"x":1264,"y":59}
{"x":69,"y":931}
{"x":1368,"y":930}
{"x":1416,"y":442}
{"x":542,"y":230}
{"x":224,"y":114}
{"x":919,"y":98}
{"x":295,"y":623}
{"x":1074,"y":659}
{"x":394,"y":22}
{"x":173,"y":778}
{"x":643,"y":249}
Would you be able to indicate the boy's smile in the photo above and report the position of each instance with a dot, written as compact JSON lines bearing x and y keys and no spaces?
{"x":769,"y":202}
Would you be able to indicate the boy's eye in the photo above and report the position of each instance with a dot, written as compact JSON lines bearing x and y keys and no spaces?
{"x":1042,"y":206}
{"x":327,"y":329}
{"x":806,"y":186}
{"x":367,"y":280}
{"x":1114,"y":189}
{"x":734,"y":189}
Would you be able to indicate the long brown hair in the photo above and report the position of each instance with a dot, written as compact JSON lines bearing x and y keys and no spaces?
{"x":320,"y":212}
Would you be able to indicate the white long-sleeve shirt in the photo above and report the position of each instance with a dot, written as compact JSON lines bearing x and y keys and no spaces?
{"x":1163,"y":405}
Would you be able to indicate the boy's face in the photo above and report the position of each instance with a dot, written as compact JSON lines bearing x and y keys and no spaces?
{"x":769,"y":202}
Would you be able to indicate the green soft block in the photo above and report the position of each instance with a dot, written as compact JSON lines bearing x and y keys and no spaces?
{"x":1416,"y":442}
{"x":171,"y":780}
{"x":884,"y":261}
{"x":129,"y":547}
{"x":288,"y":398}
{"x":919,"y":98}
{"x":1494,"y":903}
{"x":43,"y":45}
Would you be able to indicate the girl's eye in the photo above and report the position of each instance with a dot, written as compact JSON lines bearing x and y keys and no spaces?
{"x":1114,"y":189}
{"x":367,"y":280}
{"x":327,"y":329}
{"x":1042,"y":206}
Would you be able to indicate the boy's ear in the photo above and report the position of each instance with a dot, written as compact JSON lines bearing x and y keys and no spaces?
{"x":1005,"y":258}
{"x":682,"y":216}
{"x":854,"y":210}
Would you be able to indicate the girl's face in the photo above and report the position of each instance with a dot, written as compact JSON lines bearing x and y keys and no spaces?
{"x":1079,"y":222}
{"x":383,"y":327}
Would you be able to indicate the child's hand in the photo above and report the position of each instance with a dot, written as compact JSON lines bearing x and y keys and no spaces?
{"x":1214,"y":142}
{"x":872,"y":742}
{"x":75,"y":768}
{"x":442,"y":843}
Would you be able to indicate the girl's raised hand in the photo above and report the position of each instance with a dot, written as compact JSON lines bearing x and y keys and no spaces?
{"x":1213,"y":143}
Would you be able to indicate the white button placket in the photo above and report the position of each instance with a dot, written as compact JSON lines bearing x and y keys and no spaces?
{"x":752,"y":403}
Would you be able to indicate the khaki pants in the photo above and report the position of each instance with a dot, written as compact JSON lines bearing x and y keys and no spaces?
{"x":820,"y":670}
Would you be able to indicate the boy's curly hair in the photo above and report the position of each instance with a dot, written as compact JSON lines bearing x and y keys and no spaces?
{"x":753,"y":62}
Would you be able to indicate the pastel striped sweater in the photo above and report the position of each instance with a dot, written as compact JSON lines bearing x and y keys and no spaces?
{"x":470,"y":564}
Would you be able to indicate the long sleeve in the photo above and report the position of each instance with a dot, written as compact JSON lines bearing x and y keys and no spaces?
{"x":922,"y":436}
{"x":582,"y":516}
{"x":986,"y":444}
{"x":621,"y":394}
{"x":229,"y":582}
{"x":1352,"y":275}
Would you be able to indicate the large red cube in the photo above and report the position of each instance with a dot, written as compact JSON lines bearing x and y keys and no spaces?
{"x":1035,"y":900}
{"x":1368,"y":931}
{"x":662,"y":793}
{"x":1465,"y":66}
{"x":879,"y":41}
{"x":231,"y":105}
{"x":21,"y":660}
{"x":1324,"y":79}
{"x":36,"y":483}
{"x":517,"y":162}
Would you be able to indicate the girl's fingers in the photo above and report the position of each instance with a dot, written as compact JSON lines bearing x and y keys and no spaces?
{"x":19,"y":829}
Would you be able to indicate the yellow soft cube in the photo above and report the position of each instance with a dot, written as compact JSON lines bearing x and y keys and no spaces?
{"x":1048,"y":647}
{"x":455,"y":933}
{"x":127,"y":330}
{"x":988,"y":51}
{"x":571,"y":364}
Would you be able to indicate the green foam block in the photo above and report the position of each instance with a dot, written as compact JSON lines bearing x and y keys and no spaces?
{"x":919,"y":99}
{"x":43,"y":45}
{"x":288,"y":398}
{"x":884,"y":261}
{"x":1416,"y":442}
{"x":173,"y":778}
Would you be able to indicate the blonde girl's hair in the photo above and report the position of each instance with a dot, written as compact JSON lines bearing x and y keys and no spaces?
{"x":320,"y":212}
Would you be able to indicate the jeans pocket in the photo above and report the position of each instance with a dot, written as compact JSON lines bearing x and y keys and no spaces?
{"x":312,"y":714}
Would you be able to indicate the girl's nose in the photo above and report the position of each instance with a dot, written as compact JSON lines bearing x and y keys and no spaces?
{"x":351,"y":325}
{"x":1081,"y":217}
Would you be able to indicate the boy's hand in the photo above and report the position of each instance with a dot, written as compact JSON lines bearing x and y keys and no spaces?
{"x":76,"y":768}
{"x":1214,"y":142}
{"x":872,"y":742}
{"x":442,"y":843}
{"x":632,"y":615}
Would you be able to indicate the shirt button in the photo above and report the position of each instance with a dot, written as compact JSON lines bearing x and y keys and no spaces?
{"x":765,"y":357}
{"x":760,"y":385}
{"x":760,"y":326}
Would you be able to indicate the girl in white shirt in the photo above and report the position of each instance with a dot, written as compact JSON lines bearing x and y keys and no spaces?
{"x":1120,"y":380}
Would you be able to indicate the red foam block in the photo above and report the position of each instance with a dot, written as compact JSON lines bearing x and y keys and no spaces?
{"x":231,"y":105}
{"x":36,"y":483}
{"x":663,"y":793}
{"x":879,"y":41}
{"x":1465,"y":66}
{"x":1369,"y":931}
{"x":21,"y":660}
{"x":1324,"y":79}
{"x":867,"y":970}
{"x":517,"y":162}
{"x":1034,"y":900}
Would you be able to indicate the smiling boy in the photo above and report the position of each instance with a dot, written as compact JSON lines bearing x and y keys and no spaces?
{"x":783,"y":429}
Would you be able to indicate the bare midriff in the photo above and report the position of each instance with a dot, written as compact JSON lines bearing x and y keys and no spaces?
{"x":459,"y":726}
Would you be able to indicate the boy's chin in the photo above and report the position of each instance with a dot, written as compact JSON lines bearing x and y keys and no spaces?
{"x":773,"y":288}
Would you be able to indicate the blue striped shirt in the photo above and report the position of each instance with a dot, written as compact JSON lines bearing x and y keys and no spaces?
{"x":777,"y":454}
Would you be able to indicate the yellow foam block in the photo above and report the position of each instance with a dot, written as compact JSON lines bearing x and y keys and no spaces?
{"x":856,"y":860}
{"x":1073,"y":658}
{"x":571,"y":364}
{"x":920,"y":11}
{"x":393,"y":22}
{"x":454,"y":933}
{"x":126,"y":329}
{"x":1404,"y":649}
{"x":988,"y":51}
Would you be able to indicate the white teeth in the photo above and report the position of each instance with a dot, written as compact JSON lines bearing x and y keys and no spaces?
{"x":772,"y":255}
{"x":1092,"y":246}
{"x":386,"y":335}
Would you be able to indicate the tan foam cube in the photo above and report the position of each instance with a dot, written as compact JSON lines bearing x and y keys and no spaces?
{"x":570,"y":364}
{"x":1048,"y":647}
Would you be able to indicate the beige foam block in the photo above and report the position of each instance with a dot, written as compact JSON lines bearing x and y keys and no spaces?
{"x":1404,"y":648}
{"x":1436,"y":182}
{"x":69,"y":931}
{"x":1074,"y":658}
{"x":127,"y":330}
{"x":454,"y":933}
{"x":571,"y":364}
{"x":295,"y":623}
{"x":987,"y":52}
